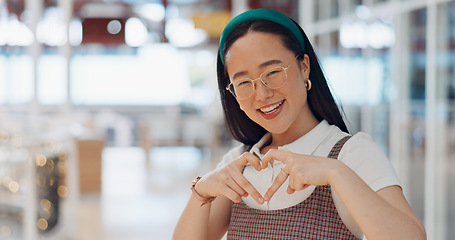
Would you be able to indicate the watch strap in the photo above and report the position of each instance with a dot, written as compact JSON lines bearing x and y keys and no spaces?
{"x":204,"y":200}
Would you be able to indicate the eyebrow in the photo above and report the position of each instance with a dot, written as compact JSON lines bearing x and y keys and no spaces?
{"x":262,"y":65}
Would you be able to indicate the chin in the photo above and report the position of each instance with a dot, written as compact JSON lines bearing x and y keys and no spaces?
{"x":277,"y":130}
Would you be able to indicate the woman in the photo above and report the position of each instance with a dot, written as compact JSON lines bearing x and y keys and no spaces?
{"x":298,"y":174}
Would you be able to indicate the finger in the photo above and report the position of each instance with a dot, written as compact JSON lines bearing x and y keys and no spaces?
{"x":232,"y":195}
{"x":290,"y":190}
{"x":249,"y":158}
{"x":274,"y":154}
{"x":291,"y":187}
{"x":234,"y":186}
{"x":283,"y":172}
{"x":248,"y":187}
{"x":279,"y":180}
{"x":256,"y":155}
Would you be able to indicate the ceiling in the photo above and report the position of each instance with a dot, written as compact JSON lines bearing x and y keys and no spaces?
{"x":18,"y":6}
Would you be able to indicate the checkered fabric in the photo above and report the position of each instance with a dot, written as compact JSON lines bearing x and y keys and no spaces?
{"x":314,"y":218}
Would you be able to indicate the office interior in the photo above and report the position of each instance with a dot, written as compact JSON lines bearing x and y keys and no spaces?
{"x":108,"y":109}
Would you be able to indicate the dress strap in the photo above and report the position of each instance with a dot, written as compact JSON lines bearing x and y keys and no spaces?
{"x":337,"y":147}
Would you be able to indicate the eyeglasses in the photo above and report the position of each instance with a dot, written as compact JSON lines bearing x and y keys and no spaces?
{"x":273,"y":78}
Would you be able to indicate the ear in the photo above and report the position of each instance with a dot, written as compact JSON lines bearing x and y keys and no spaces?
{"x":305,"y":66}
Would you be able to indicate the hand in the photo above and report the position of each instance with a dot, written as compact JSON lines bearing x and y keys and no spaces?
{"x":230,"y":182}
{"x":302,"y":170}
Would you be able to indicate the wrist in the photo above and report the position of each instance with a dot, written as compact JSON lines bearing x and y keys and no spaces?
{"x":197,"y":195}
{"x":337,"y":172}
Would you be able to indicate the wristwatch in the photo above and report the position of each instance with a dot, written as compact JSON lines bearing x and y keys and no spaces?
{"x":204,"y":200}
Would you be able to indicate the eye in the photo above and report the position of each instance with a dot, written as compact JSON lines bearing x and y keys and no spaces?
{"x":242,"y":82}
{"x":274,"y":72}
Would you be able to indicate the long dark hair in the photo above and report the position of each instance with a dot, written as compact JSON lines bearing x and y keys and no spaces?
{"x":319,"y":98}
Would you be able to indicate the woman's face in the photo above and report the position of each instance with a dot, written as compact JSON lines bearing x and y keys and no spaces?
{"x":282,"y":110}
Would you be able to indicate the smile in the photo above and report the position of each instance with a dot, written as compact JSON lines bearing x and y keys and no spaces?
{"x":272,"y":108}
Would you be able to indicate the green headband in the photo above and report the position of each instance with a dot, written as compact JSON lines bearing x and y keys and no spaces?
{"x":261,"y":14}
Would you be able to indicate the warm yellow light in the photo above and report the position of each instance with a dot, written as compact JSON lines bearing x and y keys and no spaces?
{"x":42,"y":224}
{"x":40,"y":160}
{"x":62,"y":191}
{"x":13,"y":187}
{"x":45,"y":204}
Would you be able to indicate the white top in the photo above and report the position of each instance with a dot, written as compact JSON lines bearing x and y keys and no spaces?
{"x":359,"y":153}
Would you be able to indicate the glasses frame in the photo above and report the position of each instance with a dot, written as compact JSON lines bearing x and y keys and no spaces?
{"x":228,"y":87}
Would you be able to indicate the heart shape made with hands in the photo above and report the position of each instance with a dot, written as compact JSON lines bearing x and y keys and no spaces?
{"x":263,"y":180}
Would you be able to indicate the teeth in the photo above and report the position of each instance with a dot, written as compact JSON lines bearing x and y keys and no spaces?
{"x":270,"y":108}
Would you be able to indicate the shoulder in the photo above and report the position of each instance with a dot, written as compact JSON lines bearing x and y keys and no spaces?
{"x":359,"y":147}
{"x":367,"y":159}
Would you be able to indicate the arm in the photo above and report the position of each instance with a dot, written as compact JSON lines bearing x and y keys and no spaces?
{"x":381,"y":215}
{"x":211,"y":220}
{"x":203,"y":222}
{"x":384,"y":214}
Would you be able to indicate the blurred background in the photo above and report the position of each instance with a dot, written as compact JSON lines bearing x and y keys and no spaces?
{"x":108,"y":109}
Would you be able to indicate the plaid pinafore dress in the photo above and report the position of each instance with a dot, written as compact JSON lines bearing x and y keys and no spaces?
{"x":314,"y":218}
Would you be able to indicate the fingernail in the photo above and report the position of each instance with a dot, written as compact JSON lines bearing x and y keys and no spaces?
{"x":261,"y":200}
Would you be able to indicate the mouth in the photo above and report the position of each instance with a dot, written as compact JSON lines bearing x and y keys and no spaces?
{"x":271,"y":108}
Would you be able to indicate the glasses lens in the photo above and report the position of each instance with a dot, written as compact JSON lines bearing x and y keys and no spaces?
{"x":232,"y":90}
{"x":275,"y":77}
{"x":242,"y":88}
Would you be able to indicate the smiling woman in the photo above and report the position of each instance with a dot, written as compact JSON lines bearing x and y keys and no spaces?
{"x":299,"y":173}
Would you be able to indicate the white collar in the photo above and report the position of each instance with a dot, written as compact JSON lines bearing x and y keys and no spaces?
{"x":306,"y":144}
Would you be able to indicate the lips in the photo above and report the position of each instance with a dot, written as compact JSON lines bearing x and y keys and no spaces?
{"x":271,"y":108}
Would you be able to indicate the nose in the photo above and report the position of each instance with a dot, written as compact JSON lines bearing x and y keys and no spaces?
{"x":262,"y":92}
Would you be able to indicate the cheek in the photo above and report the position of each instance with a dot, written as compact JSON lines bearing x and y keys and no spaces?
{"x":244,"y":105}
{"x":296,"y":85}
{"x":247,"y":107}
